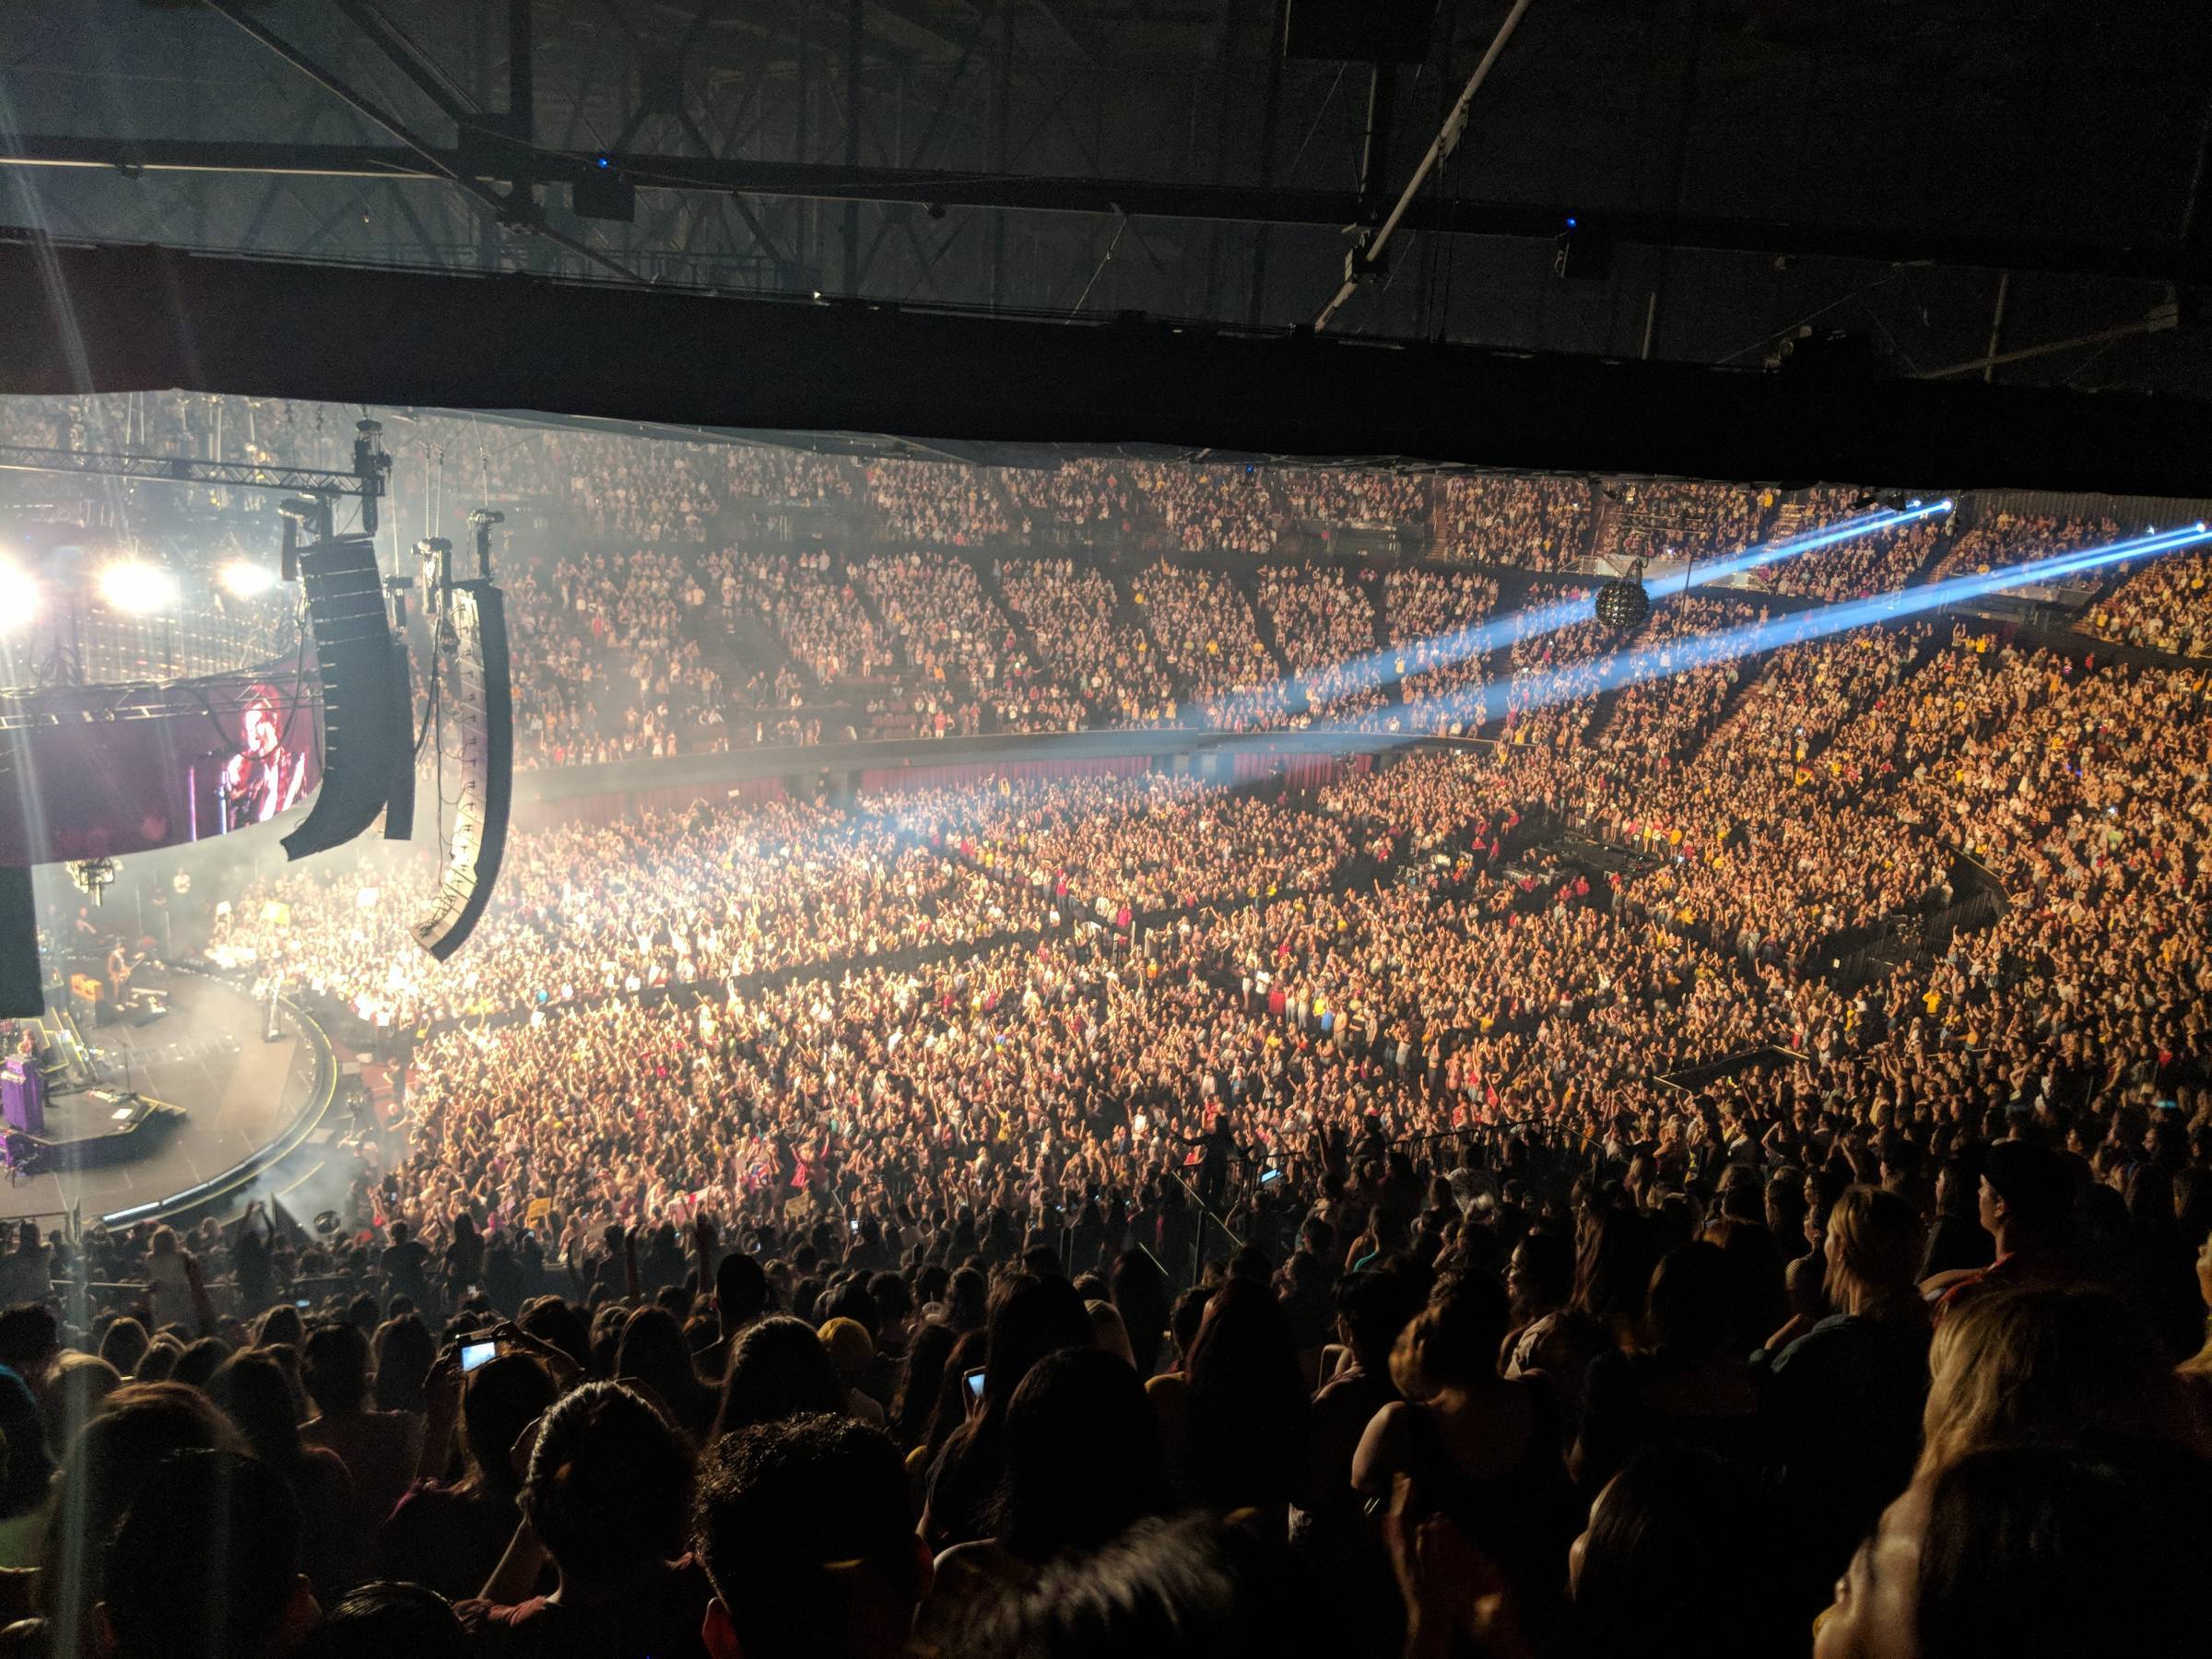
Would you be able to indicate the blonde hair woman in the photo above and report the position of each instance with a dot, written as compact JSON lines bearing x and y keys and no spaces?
{"x":1843,"y":1394}
{"x":2031,"y":1366}
{"x":168,"y":1270}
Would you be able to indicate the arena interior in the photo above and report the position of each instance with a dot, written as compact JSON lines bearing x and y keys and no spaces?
{"x":720,"y":990}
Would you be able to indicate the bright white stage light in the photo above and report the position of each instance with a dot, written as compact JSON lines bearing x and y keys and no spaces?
{"x":18,"y":596}
{"x":137,"y":587}
{"x":246,"y":579}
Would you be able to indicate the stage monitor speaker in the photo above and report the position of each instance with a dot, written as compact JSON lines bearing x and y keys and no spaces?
{"x":365,"y":713}
{"x":1369,"y":31}
{"x":22,"y":996}
{"x":474,"y":671}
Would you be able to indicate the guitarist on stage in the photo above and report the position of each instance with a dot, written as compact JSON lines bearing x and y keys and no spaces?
{"x":122,"y":963}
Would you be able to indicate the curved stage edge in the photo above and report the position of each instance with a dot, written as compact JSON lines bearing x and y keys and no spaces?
{"x":250,"y":1105}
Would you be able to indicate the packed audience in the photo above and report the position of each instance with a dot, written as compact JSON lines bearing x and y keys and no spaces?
{"x":1208,"y":508}
{"x":1079,"y":494}
{"x":1539,"y":523}
{"x":638,"y":668}
{"x":1878,"y":562}
{"x":1655,"y":520}
{"x":1205,"y":630}
{"x":811,"y":607}
{"x":1119,"y":1214}
{"x":1353,"y":496}
{"x":2023,"y":539}
{"x":587,"y":911}
{"x":2165,"y":606}
{"x":1438,"y":654}
{"x":1073,"y":612}
{"x":1324,"y":627}
{"x":937,"y":501}
{"x":617,"y":660}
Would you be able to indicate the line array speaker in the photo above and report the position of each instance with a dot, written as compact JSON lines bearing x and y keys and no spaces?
{"x":472,"y":642}
{"x":365,"y":712}
{"x":399,"y":806}
{"x":22,"y":996}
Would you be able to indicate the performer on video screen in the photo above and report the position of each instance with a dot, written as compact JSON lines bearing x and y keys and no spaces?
{"x":264,"y":777}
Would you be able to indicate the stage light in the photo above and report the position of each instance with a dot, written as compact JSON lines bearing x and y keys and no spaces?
{"x":246,"y":580}
{"x":137,"y":587}
{"x":18,"y":596}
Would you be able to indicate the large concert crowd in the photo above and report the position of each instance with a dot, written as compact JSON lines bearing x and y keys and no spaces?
{"x":1725,"y":1159}
{"x":773,"y":596}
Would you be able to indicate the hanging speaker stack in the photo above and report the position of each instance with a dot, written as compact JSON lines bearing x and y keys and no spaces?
{"x":366,"y":720}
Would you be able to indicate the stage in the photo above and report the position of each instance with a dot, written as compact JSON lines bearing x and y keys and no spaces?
{"x":237,"y":1093}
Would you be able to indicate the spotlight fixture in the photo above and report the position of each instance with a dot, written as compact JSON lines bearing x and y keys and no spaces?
{"x":93,"y":877}
{"x":137,"y":587}
{"x":18,"y":596}
{"x":245,"y":580}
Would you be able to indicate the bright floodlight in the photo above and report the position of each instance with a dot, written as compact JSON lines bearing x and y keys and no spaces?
{"x":246,"y":579}
{"x":18,"y":596}
{"x":137,"y":587}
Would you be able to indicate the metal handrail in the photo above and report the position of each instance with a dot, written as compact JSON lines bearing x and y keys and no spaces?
{"x":1206,"y":1212}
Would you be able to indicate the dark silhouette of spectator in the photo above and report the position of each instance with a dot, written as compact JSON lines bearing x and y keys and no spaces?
{"x":384,"y":1618}
{"x":379,"y":1448}
{"x":450,"y":1536}
{"x":254,"y":1392}
{"x":802,"y":1528}
{"x":606,"y":1499}
{"x":777,"y":1371}
{"x":206,"y":1565}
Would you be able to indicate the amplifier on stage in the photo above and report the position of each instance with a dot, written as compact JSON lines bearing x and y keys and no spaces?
{"x":23,"y":1095}
{"x":85,"y":992}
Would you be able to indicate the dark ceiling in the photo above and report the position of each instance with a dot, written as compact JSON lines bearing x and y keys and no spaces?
{"x":1941,"y":182}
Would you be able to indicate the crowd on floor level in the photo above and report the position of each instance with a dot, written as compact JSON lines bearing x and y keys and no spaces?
{"x":1116,"y":1213}
{"x":700,"y":596}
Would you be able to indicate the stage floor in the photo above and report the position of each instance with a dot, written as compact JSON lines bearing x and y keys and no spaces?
{"x":207,"y":1056}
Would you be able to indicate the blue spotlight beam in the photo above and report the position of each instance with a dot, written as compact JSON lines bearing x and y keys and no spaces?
{"x":1380,"y":667}
{"x":1752,"y":559}
{"x":1634,"y":667}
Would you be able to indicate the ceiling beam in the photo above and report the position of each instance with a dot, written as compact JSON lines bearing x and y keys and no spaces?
{"x":1146,"y":198}
{"x":141,"y":317}
{"x":411,"y":60}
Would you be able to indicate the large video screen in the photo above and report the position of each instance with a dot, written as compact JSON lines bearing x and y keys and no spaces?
{"x":266,"y":767}
{"x":103,"y":787}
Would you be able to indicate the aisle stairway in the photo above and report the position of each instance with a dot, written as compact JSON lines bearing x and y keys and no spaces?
{"x":753,"y":642}
{"x":1127,"y":613}
{"x":847,"y":569}
{"x":1263,"y":624}
{"x":1370,"y":581}
{"x":986,"y":576}
{"x":1732,"y":705}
